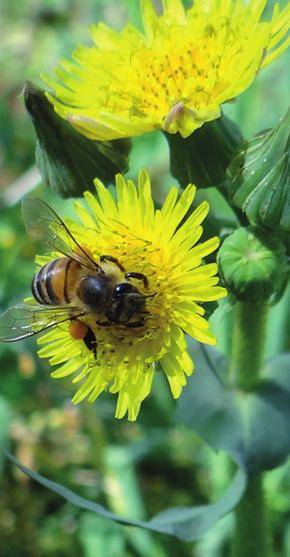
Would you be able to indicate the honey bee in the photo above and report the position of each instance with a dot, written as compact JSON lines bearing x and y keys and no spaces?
{"x":73,"y":286}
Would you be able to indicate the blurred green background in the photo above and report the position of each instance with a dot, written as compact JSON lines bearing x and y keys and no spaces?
{"x":135,"y":469}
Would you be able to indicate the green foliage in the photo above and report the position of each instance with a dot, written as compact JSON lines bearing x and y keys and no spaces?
{"x":186,"y":523}
{"x":252,"y":427}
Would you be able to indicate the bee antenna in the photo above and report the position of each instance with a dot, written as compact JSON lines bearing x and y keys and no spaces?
{"x":130,"y":231}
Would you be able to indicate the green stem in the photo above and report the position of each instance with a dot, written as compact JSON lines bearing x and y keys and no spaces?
{"x":251,"y":535}
{"x":240,"y":215}
{"x":248,"y":343}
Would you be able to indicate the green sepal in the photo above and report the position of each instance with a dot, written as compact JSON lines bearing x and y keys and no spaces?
{"x":259,"y":178}
{"x":203,"y":157}
{"x":252,"y":264}
{"x":68,"y":161}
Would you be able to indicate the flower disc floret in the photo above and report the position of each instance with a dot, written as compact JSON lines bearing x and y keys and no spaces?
{"x":163,"y":246}
{"x":175,"y":75}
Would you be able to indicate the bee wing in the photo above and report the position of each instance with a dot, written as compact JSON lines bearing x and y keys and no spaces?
{"x":26,"y":320}
{"x":44,"y":225}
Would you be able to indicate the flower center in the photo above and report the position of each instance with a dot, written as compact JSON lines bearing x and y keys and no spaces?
{"x":167,"y":80}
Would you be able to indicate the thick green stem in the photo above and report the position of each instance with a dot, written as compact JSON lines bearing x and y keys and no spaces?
{"x":248,"y":343}
{"x":251,"y":536}
{"x":251,"y":533}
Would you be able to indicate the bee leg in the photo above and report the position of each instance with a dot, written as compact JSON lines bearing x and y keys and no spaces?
{"x":90,"y":342}
{"x":81,"y":331}
{"x":138,"y":276}
{"x":113,"y":260}
{"x":134,"y":324}
{"x":105,"y":323}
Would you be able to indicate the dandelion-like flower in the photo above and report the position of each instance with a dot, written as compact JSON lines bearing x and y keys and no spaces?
{"x":163,"y":246}
{"x":175,"y":75}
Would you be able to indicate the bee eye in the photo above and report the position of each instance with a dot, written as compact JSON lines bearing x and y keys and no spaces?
{"x":125,"y":288}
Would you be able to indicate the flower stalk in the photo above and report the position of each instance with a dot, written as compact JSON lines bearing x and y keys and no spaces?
{"x":251,"y":531}
{"x":251,"y":535}
{"x":248,"y":343}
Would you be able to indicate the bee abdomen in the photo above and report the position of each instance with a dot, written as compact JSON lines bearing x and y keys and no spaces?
{"x":49,"y":284}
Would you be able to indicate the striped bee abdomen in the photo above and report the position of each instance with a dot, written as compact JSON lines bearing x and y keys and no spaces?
{"x":52,"y":284}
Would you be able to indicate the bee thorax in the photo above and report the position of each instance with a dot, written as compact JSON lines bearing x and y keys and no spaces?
{"x":95,"y":292}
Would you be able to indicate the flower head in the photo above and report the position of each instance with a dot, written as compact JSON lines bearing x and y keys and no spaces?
{"x":175,"y":75}
{"x":162,"y":245}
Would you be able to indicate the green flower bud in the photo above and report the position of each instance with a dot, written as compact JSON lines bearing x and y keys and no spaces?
{"x":202,"y":158}
{"x":253,"y":266}
{"x":68,"y":161}
{"x":259,"y":178}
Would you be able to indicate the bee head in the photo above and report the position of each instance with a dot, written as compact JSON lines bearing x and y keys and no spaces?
{"x":127,"y":301}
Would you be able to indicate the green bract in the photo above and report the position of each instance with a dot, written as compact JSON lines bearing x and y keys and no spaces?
{"x":202,"y":158}
{"x":69,"y":162}
{"x":259,"y":178}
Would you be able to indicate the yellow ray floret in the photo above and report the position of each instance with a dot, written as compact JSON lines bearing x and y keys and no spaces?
{"x":161,"y":244}
{"x":175,"y":75}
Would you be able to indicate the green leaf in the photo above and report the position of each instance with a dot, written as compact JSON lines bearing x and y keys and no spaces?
{"x":202,"y":158}
{"x":190,"y":523}
{"x":68,"y":161}
{"x":186,"y":523}
{"x":252,"y":427}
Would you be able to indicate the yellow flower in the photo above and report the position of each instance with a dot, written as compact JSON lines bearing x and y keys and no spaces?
{"x":163,"y":246}
{"x":175,"y":75}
